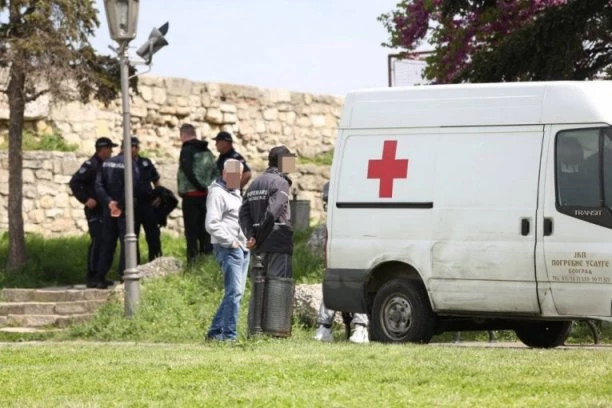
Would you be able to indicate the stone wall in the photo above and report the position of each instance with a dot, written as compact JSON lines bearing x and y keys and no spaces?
{"x":259,"y":119}
{"x":50,"y":209}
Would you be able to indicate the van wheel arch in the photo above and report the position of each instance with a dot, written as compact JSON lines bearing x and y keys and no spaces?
{"x":386,"y":272}
{"x":397,"y":288}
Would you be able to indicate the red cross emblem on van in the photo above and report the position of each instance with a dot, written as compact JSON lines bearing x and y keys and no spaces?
{"x":387,"y":169}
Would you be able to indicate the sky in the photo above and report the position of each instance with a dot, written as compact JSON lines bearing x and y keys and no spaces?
{"x":315,"y":46}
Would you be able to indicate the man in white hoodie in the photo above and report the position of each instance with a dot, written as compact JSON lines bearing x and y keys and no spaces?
{"x":229,"y":246}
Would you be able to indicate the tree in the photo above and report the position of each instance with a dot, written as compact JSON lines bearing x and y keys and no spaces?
{"x":44,"y":45}
{"x":500,"y":40}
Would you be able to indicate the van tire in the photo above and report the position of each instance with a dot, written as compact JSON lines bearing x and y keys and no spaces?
{"x":401,"y":313}
{"x":547,"y":334}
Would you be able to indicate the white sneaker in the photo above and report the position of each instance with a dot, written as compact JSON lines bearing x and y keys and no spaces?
{"x":360,"y":335}
{"x":324,"y":334}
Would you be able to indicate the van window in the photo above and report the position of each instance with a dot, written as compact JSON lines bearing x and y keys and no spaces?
{"x":583,"y":168}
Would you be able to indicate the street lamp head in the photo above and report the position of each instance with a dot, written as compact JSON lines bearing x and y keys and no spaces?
{"x":122,"y":17}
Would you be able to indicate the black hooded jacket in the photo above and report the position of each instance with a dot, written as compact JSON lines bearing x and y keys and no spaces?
{"x":265,"y":214}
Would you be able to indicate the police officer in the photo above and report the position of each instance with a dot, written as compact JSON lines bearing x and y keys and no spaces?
{"x":224,"y":144}
{"x":265,"y":219}
{"x":82,"y":185}
{"x":145,"y":178}
{"x":110,"y":189}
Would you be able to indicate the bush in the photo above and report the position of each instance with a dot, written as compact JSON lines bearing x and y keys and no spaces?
{"x":323,"y":159}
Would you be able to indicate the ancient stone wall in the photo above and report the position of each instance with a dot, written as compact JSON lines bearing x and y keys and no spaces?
{"x":259,"y":119}
{"x":50,"y":209}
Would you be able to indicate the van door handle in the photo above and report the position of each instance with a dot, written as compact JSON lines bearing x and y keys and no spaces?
{"x":524,"y":227}
{"x":548,"y":227}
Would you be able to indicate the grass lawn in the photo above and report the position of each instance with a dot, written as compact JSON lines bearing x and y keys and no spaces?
{"x":158,"y":357}
{"x":300,"y":373}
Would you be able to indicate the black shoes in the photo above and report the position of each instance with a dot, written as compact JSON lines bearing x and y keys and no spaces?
{"x":99,"y":284}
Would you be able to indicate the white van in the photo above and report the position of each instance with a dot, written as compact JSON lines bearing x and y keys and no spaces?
{"x":473,"y":207}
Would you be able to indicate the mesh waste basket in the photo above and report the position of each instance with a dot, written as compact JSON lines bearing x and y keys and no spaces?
{"x":278,"y":306}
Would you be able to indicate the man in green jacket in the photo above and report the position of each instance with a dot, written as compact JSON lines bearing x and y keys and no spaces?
{"x":196,"y":172}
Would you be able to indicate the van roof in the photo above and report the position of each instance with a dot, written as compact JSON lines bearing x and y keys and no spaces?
{"x":511,"y":103}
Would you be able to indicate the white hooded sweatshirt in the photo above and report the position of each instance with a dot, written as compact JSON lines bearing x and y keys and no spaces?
{"x":222,"y":208}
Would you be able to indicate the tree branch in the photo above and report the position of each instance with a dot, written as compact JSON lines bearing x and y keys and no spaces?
{"x":36,"y":95}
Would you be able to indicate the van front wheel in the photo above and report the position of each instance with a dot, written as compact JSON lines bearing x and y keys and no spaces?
{"x":401,"y":313}
{"x":546,"y":334}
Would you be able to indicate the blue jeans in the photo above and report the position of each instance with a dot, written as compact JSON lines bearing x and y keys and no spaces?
{"x":234,"y":264}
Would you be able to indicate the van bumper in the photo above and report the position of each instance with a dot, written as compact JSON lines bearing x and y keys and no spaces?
{"x":343,"y":290}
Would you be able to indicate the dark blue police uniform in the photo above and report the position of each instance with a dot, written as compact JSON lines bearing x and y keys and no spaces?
{"x":82,"y":183}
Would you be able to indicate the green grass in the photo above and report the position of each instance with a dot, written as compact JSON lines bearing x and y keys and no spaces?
{"x":62,"y":261}
{"x":323,"y":159}
{"x":179,"y":308}
{"x":53,"y":142}
{"x":300,"y":373}
{"x":158,"y":358}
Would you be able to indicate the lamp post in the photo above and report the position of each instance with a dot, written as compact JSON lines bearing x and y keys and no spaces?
{"x":122,"y":17}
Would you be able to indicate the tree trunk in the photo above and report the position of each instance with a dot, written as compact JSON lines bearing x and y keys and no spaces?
{"x":17,"y":250}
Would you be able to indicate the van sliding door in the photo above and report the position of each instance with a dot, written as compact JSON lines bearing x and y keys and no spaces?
{"x":485,"y":211}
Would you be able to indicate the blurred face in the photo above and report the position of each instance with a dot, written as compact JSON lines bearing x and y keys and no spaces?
{"x":287,"y":164}
{"x":135,"y":150}
{"x":105,"y":152}
{"x":223,"y":146}
{"x":232,"y":173}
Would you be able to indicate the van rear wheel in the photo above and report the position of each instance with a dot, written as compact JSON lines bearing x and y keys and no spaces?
{"x":546,"y":334}
{"x":401,"y":313}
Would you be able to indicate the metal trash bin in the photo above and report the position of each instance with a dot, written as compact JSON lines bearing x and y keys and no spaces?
{"x":300,"y":214}
{"x":278,"y":306}
{"x":259,"y":281}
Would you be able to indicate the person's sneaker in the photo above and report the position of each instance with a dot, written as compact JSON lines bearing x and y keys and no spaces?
{"x":360,"y":335}
{"x":324,"y":334}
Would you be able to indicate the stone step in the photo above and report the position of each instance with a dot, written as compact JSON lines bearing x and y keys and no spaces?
{"x":46,"y":320}
{"x":53,"y":295}
{"x":27,"y":330}
{"x":50,"y":308}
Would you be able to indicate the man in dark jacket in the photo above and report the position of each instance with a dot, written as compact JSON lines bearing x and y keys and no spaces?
{"x":265,"y":219}
{"x":145,"y":178}
{"x":82,"y":185}
{"x":110,"y":189}
{"x":195,"y":173}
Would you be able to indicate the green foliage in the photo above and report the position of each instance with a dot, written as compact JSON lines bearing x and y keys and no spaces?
{"x":307,"y":267}
{"x":323,"y":159}
{"x":62,"y":261}
{"x":52,"y":142}
{"x":48,"y":42}
{"x":495,"y":41}
{"x":51,"y":262}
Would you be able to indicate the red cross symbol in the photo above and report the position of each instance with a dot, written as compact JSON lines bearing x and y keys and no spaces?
{"x":388,"y":169}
